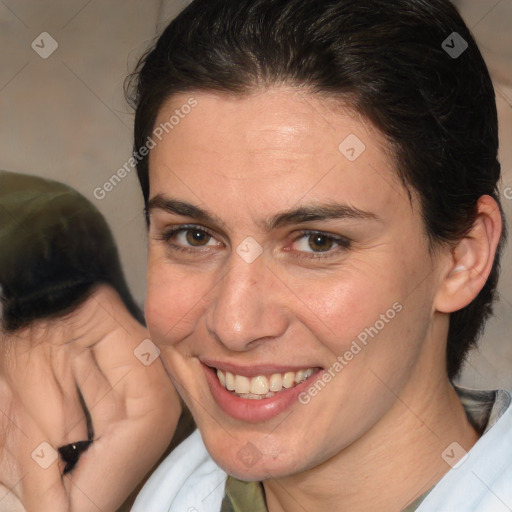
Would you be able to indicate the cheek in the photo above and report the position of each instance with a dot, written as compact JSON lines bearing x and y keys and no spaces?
{"x":342,"y":305}
{"x":363,"y":315}
{"x":173,"y":300}
{"x":380,"y":326}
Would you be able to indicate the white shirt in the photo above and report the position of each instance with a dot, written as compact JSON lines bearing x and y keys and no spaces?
{"x":190,"y":481}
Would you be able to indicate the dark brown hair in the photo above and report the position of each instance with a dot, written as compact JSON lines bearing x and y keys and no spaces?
{"x":390,"y":59}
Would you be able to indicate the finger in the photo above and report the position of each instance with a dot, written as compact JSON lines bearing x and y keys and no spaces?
{"x":134,"y":415}
{"x":40,"y":487}
{"x":32,"y":428}
{"x":42,"y":378}
{"x":9,"y":501}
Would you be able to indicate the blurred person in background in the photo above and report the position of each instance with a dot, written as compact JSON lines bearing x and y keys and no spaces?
{"x":83,"y":415}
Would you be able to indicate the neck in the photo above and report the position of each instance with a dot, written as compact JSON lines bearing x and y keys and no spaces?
{"x":393,"y":463}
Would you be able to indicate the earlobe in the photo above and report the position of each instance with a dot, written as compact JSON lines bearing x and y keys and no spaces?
{"x":471,"y":259}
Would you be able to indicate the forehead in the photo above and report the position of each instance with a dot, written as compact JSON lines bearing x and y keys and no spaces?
{"x":281,"y":146}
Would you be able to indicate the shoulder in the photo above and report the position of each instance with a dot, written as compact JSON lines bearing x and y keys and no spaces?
{"x":187,"y":481}
{"x":481,"y":481}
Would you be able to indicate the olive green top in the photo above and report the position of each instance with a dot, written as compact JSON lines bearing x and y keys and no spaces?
{"x":55,"y":245}
{"x":250,"y":497}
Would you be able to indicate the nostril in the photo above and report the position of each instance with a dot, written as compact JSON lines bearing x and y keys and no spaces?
{"x":70,"y":454}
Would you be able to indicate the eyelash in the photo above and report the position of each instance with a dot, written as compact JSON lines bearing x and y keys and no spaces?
{"x":342,"y":242}
{"x":166,"y":236}
{"x":342,"y":245}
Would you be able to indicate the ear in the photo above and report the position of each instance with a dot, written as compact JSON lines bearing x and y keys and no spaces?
{"x":471,"y":259}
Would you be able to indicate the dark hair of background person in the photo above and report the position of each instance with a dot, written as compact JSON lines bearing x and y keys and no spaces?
{"x":55,"y":248}
{"x":385,"y":59}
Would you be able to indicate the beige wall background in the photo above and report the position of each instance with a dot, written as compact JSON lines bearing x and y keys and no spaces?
{"x":64,"y":117}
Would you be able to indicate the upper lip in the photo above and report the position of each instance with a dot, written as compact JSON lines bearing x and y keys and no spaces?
{"x":255,"y":369}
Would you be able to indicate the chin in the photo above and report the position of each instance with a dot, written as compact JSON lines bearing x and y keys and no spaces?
{"x":250,"y":461}
{"x":259,"y":472}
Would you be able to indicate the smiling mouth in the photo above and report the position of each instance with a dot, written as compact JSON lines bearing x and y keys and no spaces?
{"x":262,"y":386}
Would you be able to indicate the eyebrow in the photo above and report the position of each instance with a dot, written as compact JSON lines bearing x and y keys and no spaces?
{"x":329,"y":211}
{"x":181,"y":208}
{"x":302,"y":214}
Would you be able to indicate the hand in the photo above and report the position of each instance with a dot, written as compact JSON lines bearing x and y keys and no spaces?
{"x":65,"y":380}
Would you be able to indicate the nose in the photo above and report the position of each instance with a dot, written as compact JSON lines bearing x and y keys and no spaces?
{"x":247,"y":307}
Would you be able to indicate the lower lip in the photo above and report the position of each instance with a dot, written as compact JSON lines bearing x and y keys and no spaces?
{"x":254,"y":411}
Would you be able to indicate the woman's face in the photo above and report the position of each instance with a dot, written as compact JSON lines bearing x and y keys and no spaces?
{"x":282,"y":248}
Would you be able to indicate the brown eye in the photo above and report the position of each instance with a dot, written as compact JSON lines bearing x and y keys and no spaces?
{"x":317,"y":244}
{"x":197,"y":238}
{"x":193,"y":240}
{"x":320,"y":243}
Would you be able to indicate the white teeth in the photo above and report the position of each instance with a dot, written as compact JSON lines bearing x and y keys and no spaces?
{"x":288,"y":380}
{"x":276,"y":382}
{"x":252,"y":396}
{"x":230,"y":381}
{"x":242,"y":384}
{"x":259,"y":385}
{"x":262,"y":386}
